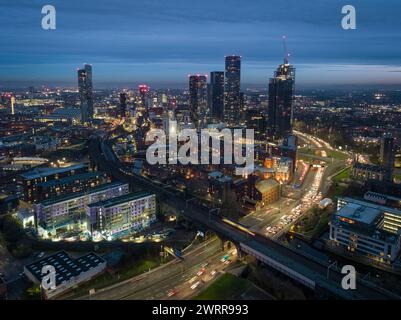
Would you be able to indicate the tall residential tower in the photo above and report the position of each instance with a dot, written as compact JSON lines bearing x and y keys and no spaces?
{"x":232,"y":95}
{"x":217,"y":95}
{"x":198,"y":100}
{"x":280,"y":109}
{"x":85,"y":88}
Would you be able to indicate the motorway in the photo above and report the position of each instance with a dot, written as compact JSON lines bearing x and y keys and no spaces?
{"x":308,"y":266}
{"x":171,"y":280}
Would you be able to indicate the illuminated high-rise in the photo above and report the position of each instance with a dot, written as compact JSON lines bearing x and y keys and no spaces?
{"x":232,"y":95}
{"x":123,"y":104}
{"x":280,"y":109}
{"x":198,"y":100}
{"x":387,"y":155}
{"x":85,"y":88}
{"x":217,"y":95}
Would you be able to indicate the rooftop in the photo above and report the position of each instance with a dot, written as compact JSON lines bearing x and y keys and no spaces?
{"x":79,"y":194}
{"x":66,"y":268}
{"x":359,"y":213}
{"x":69,"y":179}
{"x":266,"y":185}
{"x":369,"y":167}
{"x":44,"y":172}
{"x":371,"y":205}
{"x":121,"y":199}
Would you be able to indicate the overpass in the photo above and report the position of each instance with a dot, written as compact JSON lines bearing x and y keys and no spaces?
{"x":307,"y":270}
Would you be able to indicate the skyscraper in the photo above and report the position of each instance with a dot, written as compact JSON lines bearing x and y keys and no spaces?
{"x":85,"y":88}
{"x":280,"y":111}
{"x":232,"y":96}
{"x":8,"y":100}
{"x":217,"y":95}
{"x":143,"y":91}
{"x":123,"y":104}
{"x":198,"y":100}
{"x":387,"y":154}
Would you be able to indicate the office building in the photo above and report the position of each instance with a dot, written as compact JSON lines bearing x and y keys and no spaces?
{"x":198,"y":100}
{"x":361,"y":227}
{"x":68,"y":212}
{"x":232,"y":87}
{"x":217,"y":96}
{"x":121,"y":216}
{"x":280,"y":108}
{"x":85,"y":88}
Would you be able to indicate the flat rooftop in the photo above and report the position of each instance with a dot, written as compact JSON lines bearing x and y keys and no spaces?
{"x":120,"y":200}
{"x":69,"y":179}
{"x":79,"y":194}
{"x":66,"y":267}
{"x":364,"y":203}
{"x":359,"y":213}
{"x":44,"y":172}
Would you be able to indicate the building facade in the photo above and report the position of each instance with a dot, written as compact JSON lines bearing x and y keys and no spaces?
{"x":30,"y":180}
{"x":387,"y":155}
{"x":361,"y":227}
{"x":198,"y":100}
{"x":121,"y":216}
{"x":280,"y":108}
{"x":85,"y":88}
{"x":232,"y":90}
{"x":363,"y":172}
{"x":269,"y":192}
{"x":217,"y":95}
{"x":68,"y":212}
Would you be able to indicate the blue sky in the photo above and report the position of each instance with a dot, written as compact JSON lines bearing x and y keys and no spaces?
{"x":161,"y":41}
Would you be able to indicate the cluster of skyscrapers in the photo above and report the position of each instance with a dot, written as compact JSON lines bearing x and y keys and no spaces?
{"x":218,"y":101}
{"x":221,"y":100}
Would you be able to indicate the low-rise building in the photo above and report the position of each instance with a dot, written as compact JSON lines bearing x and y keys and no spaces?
{"x":366,"y":229}
{"x":31,"y":179}
{"x":269,"y":192}
{"x":68,"y":272}
{"x":75,"y":183}
{"x":363,"y":172}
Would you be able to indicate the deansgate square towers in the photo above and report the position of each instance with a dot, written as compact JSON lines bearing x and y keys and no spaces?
{"x":232,"y":95}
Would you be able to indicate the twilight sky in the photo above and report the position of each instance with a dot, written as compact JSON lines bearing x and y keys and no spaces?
{"x":161,"y":41}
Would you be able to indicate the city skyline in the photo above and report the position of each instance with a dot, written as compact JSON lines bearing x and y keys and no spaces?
{"x":140,"y":44}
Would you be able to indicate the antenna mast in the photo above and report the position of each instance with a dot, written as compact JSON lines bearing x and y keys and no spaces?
{"x":286,"y":54}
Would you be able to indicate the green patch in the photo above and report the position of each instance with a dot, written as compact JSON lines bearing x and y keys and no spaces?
{"x":226,"y":287}
{"x":314,"y":222}
{"x":338,"y":155}
{"x":343,"y":175}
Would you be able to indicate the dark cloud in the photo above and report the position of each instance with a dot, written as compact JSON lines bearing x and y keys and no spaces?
{"x":155,"y":39}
